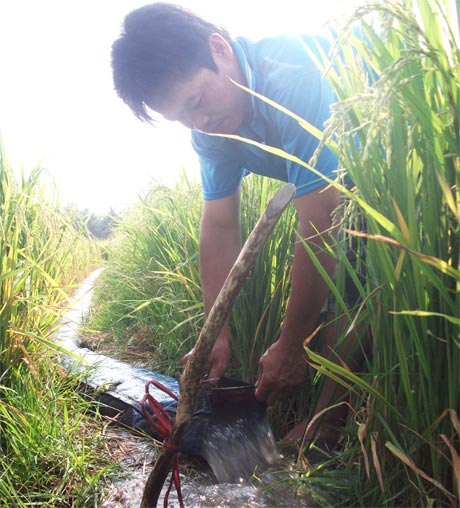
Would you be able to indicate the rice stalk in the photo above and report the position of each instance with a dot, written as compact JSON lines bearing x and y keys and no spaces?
{"x":399,"y":140}
{"x":44,"y":460}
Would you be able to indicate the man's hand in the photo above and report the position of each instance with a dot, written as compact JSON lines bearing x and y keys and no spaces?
{"x":283,"y":369}
{"x":218,"y":359}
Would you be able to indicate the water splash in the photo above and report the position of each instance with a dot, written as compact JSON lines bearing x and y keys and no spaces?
{"x":239,"y":449}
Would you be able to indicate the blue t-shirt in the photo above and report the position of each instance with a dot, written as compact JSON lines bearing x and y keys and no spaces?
{"x":281,"y":69}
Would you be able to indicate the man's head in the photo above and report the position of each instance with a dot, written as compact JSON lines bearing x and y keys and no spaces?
{"x":176,"y":63}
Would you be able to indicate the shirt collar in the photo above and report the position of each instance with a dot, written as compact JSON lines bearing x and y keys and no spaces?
{"x":252,"y":127}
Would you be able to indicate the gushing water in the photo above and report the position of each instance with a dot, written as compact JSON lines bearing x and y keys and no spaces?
{"x":239,"y":449}
{"x":238,"y":442}
{"x":245,"y":460}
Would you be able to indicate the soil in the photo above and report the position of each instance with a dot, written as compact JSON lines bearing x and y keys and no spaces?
{"x":137,"y":350}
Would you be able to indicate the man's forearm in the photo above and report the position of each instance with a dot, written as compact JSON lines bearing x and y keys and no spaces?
{"x":220,"y":244}
{"x":218,"y":251}
{"x":309,"y":290}
{"x":308,"y":294}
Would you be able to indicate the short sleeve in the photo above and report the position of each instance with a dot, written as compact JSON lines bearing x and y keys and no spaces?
{"x":220,"y":167}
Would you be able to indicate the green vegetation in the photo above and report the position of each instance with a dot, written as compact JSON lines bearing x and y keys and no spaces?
{"x":48,"y":444}
{"x":396,"y":130}
{"x":151,"y":289}
{"x":407,"y":175}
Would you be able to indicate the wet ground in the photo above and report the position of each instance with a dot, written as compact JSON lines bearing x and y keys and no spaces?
{"x":199,"y":488}
{"x":136,"y":454}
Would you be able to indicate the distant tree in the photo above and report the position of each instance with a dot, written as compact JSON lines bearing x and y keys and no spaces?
{"x":101,"y":227}
{"x":98,"y":226}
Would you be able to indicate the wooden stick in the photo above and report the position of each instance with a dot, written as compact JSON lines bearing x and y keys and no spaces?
{"x":197,"y":364}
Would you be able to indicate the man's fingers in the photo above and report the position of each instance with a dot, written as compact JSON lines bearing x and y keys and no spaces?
{"x":267,"y":395}
{"x":261,"y":393}
{"x":264,"y":391}
{"x":215,"y":373}
{"x":186,"y":357}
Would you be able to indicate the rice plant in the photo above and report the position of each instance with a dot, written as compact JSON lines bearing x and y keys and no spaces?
{"x":41,"y":257}
{"x":397,"y":130}
{"x":150,"y":290}
{"x":260,"y":307}
{"x":45,"y":460}
{"x":52,"y":444}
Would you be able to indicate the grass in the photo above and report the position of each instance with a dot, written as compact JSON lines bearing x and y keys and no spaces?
{"x":53,"y":448}
{"x":150,"y":291}
{"x":396,"y":131}
{"x":154,"y":281}
{"x":50,"y":449}
{"x":407,"y":176}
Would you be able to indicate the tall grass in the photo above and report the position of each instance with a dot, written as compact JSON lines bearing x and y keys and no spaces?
{"x":151,"y":289}
{"x":41,"y":256}
{"x":52,"y":446}
{"x":149,"y":293}
{"x":261,"y":304}
{"x":397,"y":131}
{"x":45,"y":458}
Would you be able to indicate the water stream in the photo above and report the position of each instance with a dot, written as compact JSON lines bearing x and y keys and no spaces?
{"x":245,"y":441}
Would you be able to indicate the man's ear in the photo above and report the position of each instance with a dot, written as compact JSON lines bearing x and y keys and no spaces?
{"x":220,"y":47}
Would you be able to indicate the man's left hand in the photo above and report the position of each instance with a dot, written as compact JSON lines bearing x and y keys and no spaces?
{"x":283,"y":368}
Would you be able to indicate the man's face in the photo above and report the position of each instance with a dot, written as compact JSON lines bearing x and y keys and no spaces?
{"x":209,"y":101}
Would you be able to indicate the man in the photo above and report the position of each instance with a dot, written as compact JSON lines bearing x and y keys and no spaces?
{"x":172,"y":62}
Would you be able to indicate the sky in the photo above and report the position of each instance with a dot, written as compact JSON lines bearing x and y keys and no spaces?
{"x":58,"y":108}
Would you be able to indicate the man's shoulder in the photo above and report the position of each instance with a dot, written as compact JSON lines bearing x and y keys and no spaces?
{"x":281,"y":62}
{"x":283,"y":49}
{"x":283,"y":66}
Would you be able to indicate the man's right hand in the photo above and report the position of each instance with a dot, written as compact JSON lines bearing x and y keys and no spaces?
{"x":218,"y":359}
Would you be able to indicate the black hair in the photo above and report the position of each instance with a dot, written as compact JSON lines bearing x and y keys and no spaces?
{"x":159,"y":44}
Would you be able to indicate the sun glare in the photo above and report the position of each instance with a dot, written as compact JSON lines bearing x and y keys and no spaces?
{"x":58,"y":107}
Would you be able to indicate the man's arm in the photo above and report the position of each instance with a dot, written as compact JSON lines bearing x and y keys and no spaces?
{"x":283,"y":365}
{"x":220,"y":244}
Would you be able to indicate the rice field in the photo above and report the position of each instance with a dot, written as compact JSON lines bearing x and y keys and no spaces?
{"x":48,"y":440}
{"x":396,"y":130}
